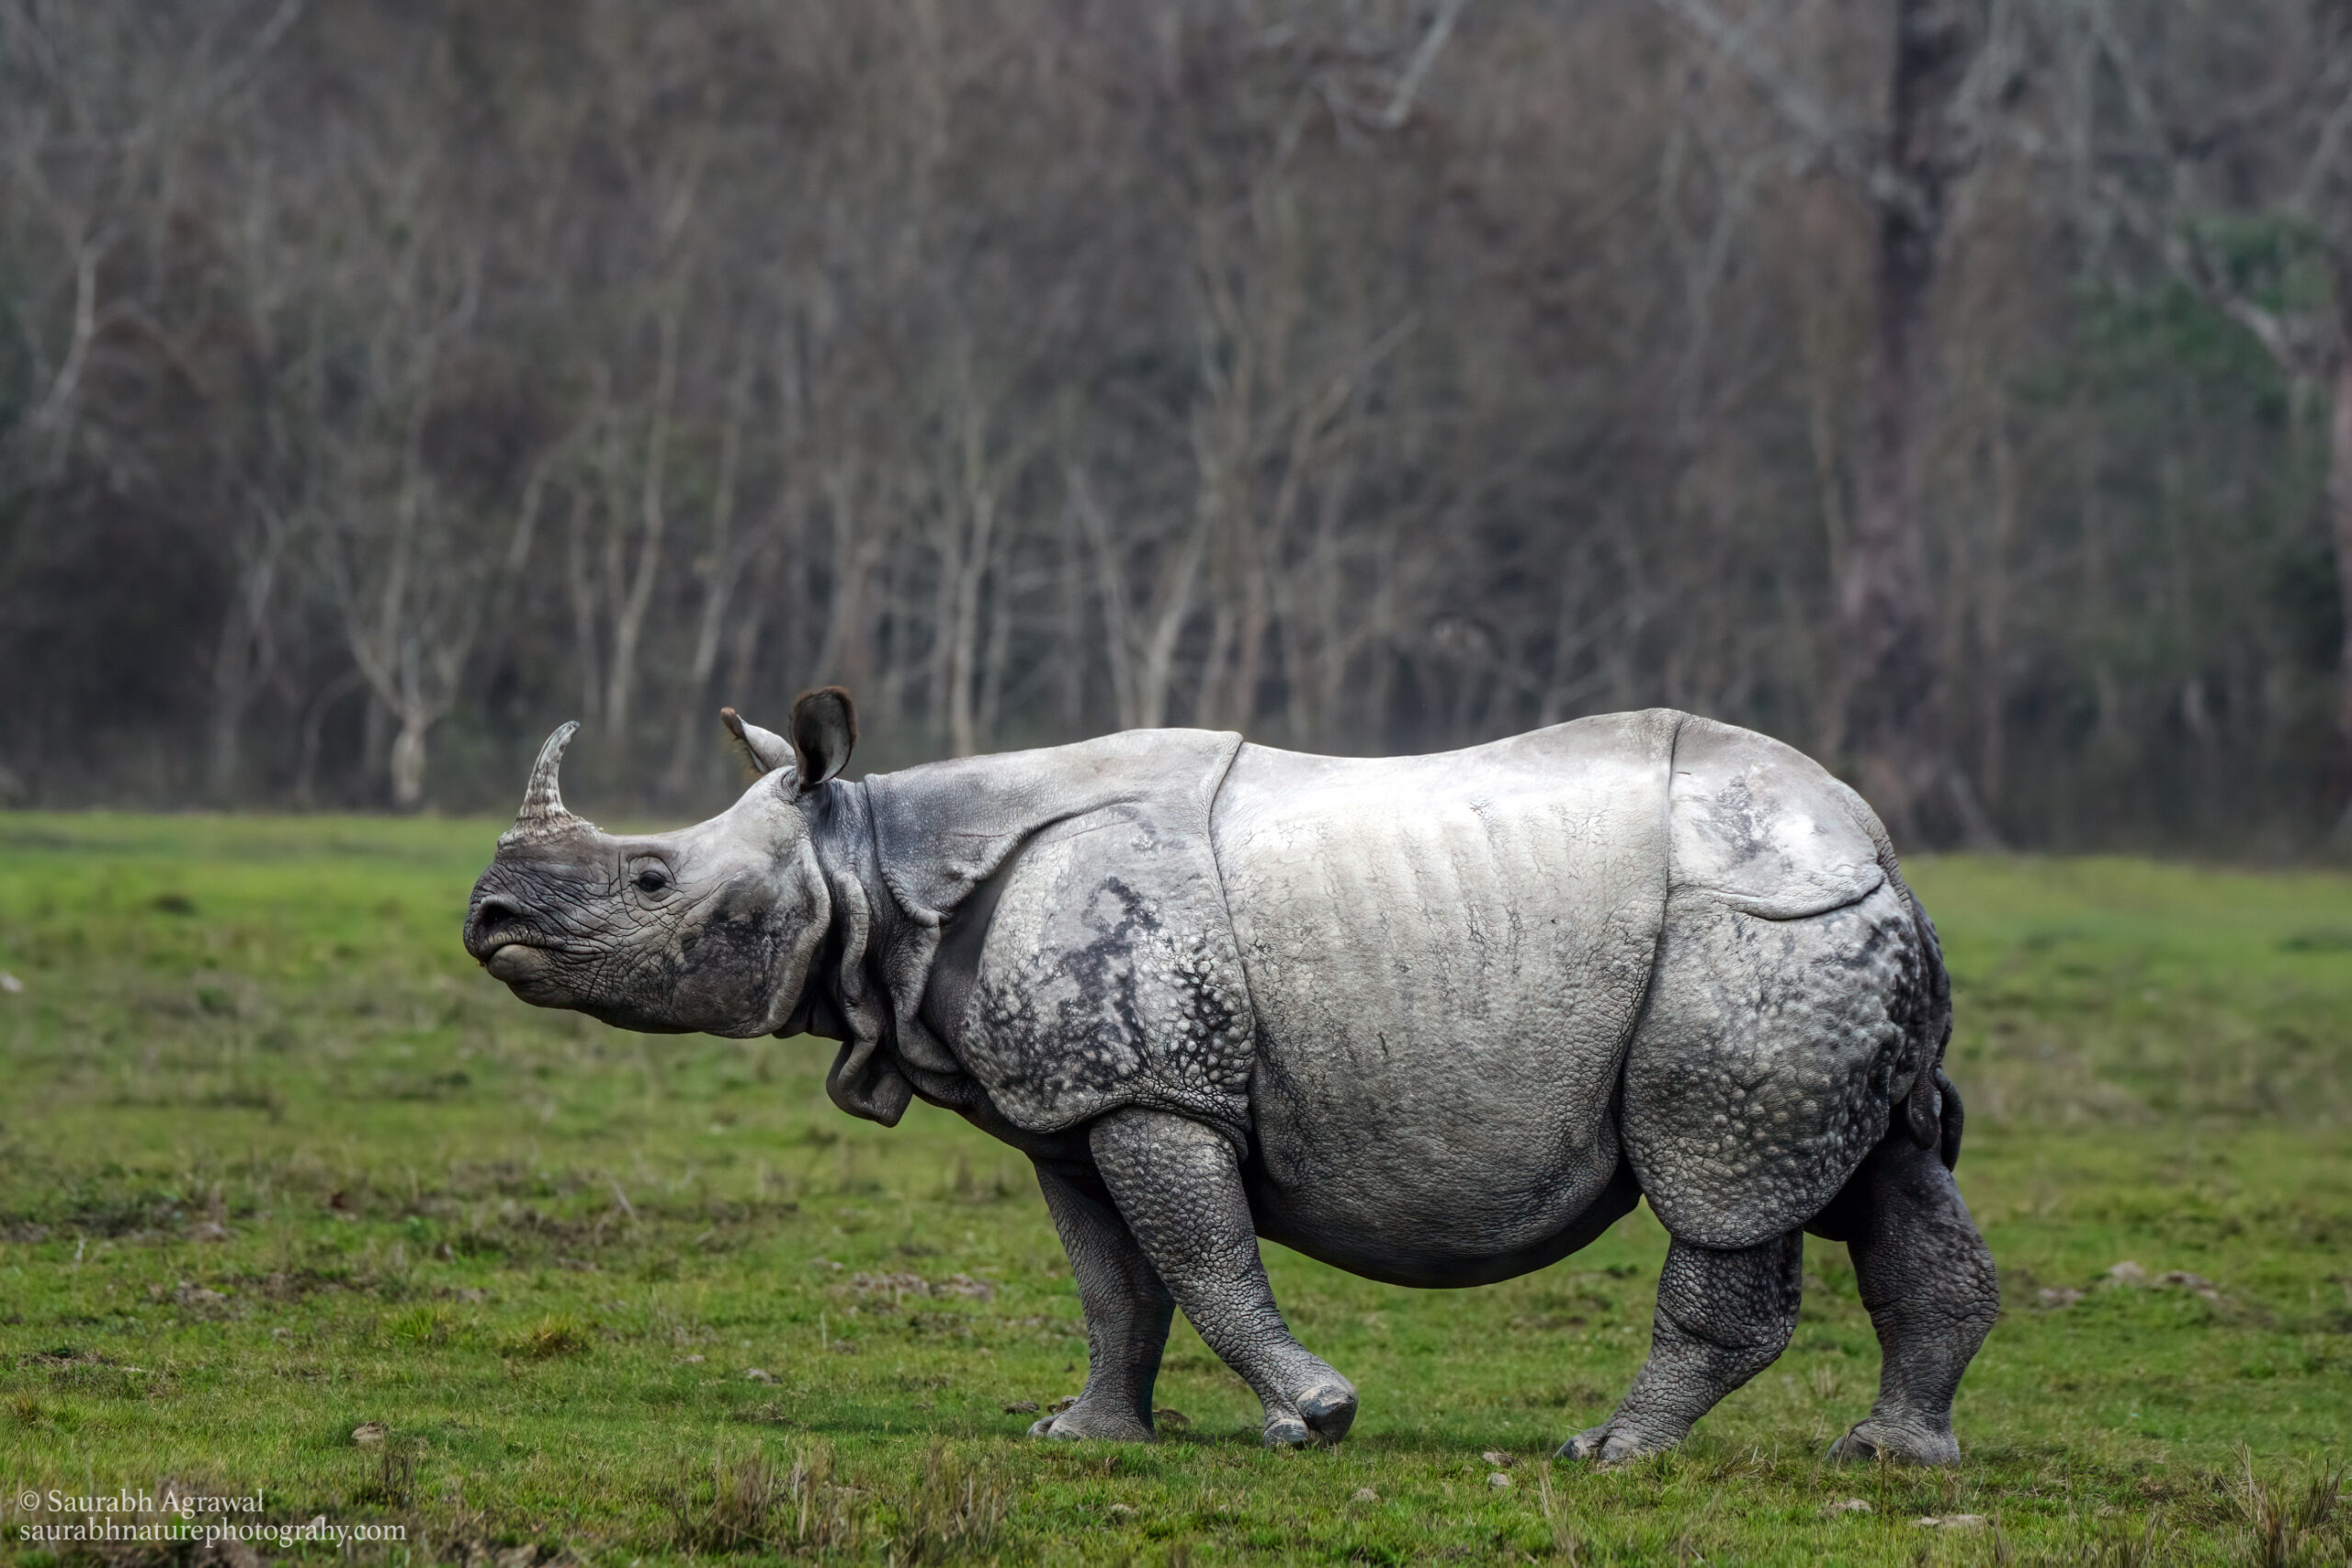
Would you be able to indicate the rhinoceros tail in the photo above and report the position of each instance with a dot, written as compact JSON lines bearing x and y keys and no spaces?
{"x":1932,"y":1110}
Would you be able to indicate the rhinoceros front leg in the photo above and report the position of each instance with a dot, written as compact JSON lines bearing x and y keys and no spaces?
{"x":1722,"y":1317}
{"x":1127,"y":1313}
{"x":1179,"y":1188}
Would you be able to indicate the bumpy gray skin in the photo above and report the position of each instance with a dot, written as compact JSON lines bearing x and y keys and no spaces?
{"x":1437,"y":1021}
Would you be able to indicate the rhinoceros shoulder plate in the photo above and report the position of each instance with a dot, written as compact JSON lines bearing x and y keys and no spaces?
{"x":1108,"y":976}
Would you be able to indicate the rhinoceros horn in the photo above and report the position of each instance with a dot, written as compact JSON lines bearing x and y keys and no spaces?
{"x":542,"y":815}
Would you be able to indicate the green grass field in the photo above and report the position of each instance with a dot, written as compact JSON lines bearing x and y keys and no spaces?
{"x":276,"y":1162}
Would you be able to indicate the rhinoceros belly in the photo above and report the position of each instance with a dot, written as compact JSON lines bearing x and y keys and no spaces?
{"x":1445,"y":956}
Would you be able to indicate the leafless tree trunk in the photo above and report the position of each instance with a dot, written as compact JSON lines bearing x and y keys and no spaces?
{"x":632,"y":581}
{"x":720,"y":567}
{"x":1893,"y":692}
{"x":1992,"y":612}
{"x":1888,"y":704}
{"x":580,"y":592}
{"x":971,"y":502}
{"x":248,"y":650}
{"x":2339,"y":501}
{"x":407,"y":585}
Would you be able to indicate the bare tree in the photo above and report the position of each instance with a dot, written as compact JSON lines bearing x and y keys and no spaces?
{"x":1890,"y":702}
{"x":2252,"y":125}
{"x":403,"y":565}
{"x":1364,"y":374}
{"x":99,"y":125}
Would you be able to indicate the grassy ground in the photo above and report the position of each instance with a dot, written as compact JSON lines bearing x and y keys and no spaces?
{"x":276,"y":1162}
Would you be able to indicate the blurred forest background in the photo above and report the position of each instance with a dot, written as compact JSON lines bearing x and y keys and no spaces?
{"x":1952,"y":388}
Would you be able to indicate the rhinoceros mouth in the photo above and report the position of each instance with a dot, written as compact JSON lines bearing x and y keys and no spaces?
{"x":517,"y":962}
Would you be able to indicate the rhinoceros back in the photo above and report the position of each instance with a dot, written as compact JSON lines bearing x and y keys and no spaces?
{"x":1446,"y":956}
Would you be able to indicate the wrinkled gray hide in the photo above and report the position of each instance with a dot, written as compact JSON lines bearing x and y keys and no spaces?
{"x":1437,"y":1021}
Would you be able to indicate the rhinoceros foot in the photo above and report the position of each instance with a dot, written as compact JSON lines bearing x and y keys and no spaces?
{"x":1100,"y":1422}
{"x":1328,"y":1409}
{"x":1287,"y":1431}
{"x":1320,"y":1417}
{"x":1614,"y":1443}
{"x":1901,"y":1442}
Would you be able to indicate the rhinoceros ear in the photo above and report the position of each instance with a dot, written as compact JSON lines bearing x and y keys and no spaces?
{"x":763,"y":748}
{"x":824,"y":730}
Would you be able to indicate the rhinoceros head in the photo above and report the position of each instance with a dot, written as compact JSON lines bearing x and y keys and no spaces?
{"x":711,"y":928}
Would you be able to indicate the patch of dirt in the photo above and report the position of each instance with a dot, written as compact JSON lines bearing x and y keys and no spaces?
{"x":202,"y":1300}
{"x":897,"y":1288}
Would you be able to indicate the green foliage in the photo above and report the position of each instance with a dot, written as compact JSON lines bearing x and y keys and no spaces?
{"x":786,"y":1334}
{"x":2137,"y":345}
{"x":2196,"y":620}
{"x":2280,"y":261}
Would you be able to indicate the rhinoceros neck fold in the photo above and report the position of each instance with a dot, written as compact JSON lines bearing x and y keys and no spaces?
{"x":841,"y":834}
{"x":844,"y":996}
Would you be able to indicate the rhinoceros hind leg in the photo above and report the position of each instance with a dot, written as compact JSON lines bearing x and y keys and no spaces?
{"x":1127,"y":1313}
{"x":1927,"y":1279}
{"x":1722,"y":1317}
{"x":1179,"y":1189}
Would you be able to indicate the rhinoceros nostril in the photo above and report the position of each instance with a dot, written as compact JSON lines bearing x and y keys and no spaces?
{"x":496,"y":912}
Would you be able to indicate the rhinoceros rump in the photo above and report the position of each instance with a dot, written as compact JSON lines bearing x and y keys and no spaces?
{"x":1437,"y":1021}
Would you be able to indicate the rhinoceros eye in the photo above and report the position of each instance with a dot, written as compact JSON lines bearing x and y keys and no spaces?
{"x":652,"y":880}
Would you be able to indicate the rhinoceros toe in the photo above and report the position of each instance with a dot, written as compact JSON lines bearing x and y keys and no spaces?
{"x":1896,"y":1441}
{"x":1287,"y":1431}
{"x":1612,"y":1443}
{"x":1079,"y":1423}
{"x":1328,"y":1409}
{"x":1319,"y":1413}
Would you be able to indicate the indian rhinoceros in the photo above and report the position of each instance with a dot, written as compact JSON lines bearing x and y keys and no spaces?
{"x":1437,"y":1021}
